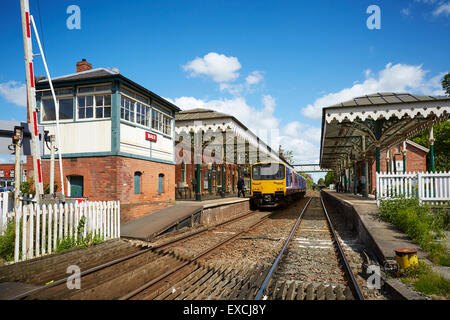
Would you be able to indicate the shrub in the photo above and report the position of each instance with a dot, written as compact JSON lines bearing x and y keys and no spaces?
{"x":81,"y":242}
{"x":7,"y":242}
{"x":419,"y":222}
{"x":425,"y":280}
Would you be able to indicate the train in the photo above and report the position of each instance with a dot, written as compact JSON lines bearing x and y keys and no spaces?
{"x":274,"y":183}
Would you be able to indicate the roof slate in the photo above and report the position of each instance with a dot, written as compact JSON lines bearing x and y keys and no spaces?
{"x":387,"y":98}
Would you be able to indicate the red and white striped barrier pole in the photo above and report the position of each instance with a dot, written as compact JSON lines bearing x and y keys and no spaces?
{"x":31,"y":99}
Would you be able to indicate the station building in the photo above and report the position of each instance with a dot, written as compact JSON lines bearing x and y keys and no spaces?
{"x":213,"y":150}
{"x":117,"y":139}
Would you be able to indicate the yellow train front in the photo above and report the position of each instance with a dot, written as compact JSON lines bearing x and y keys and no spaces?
{"x":273,"y":183}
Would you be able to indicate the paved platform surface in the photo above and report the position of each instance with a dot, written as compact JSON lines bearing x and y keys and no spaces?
{"x":386,"y":235}
{"x":148,"y":226}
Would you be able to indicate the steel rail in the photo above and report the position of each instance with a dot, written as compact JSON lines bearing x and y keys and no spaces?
{"x":130,"y":256}
{"x":192,"y":260}
{"x":127,"y":257}
{"x":286,"y":243}
{"x":354,"y":284}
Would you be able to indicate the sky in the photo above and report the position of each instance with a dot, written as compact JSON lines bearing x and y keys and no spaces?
{"x":272,"y":64}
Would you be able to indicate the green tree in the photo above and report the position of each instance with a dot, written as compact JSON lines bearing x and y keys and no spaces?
{"x":330,"y":178}
{"x":441,"y":146}
{"x":446,"y":83}
{"x":441,"y":136}
{"x":287,"y":156}
{"x":321,"y":181}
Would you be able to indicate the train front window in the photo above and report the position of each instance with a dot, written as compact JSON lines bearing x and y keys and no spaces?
{"x":268,"y":171}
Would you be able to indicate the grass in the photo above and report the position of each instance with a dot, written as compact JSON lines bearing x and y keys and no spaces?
{"x":421,"y":224}
{"x":424,"y":280}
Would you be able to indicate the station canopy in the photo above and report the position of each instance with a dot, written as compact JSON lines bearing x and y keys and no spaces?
{"x":354,"y":129}
{"x":222,"y":134}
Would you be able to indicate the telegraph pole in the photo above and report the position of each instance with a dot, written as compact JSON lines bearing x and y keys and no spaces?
{"x":31,"y":99}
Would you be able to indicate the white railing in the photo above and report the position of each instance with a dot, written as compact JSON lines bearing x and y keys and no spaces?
{"x":38,"y":229}
{"x":428,"y":187}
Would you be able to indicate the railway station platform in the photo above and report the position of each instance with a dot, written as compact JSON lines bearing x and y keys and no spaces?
{"x":184,"y":213}
{"x":384,"y":236}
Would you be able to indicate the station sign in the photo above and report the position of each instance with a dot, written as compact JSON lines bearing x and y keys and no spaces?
{"x":150,"y":136}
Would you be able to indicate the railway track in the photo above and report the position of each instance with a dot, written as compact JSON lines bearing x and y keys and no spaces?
{"x":193,"y":266}
{"x":212,"y":278}
{"x":312,"y":263}
{"x":147,"y":264}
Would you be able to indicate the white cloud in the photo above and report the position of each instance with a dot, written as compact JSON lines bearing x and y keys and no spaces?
{"x":14,"y":92}
{"x":443,"y":8}
{"x":393,"y":78}
{"x":254,"y":78}
{"x":406,"y":11}
{"x":217,"y":66}
{"x":233,"y":89}
{"x":239,"y":89}
{"x":302,"y":139}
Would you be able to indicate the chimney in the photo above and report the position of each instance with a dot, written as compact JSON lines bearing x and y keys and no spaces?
{"x":83,"y":65}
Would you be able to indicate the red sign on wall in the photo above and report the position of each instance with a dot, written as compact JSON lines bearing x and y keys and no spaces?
{"x":150,"y":136}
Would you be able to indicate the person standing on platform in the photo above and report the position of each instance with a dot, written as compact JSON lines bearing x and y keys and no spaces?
{"x":240,"y":187}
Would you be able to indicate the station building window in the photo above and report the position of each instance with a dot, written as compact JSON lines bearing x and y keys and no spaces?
{"x":161,"y":121}
{"x":134,"y":107}
{"x":94,"y":102}
{"x":64,"y":98}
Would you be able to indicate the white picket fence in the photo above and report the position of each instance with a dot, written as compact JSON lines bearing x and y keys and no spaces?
{"x":6,"y":205}
{"x":39,"y":228}
{"x":433,"y":188}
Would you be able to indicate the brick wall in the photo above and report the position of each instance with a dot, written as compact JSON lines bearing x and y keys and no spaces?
{"x":415,"y":161}
{"x":6,"y":169}
{"x":112,"y":178}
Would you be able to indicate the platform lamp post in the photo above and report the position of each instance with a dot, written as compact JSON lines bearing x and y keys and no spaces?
{"x":364,"y":173}
{"x":387,"y":160}
{"x":378,"y":157}
{"x":197,"y":150}
{"x":209,"y":178}
{"x":431,"y":140}
{"x":224,"y":157}
{"x":355,"y":178}
{"x":404,"y":156}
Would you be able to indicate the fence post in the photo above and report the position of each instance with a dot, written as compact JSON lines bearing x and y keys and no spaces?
{"x":38,"y":233}
{"x":3,"y":211}
{"x":17,"y":216}
{"x":419,"y":187}
{"x":118,"y":218}
{"x":24,"y":232}
{"x":44,"y":228}
{"x":31,"y":231}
